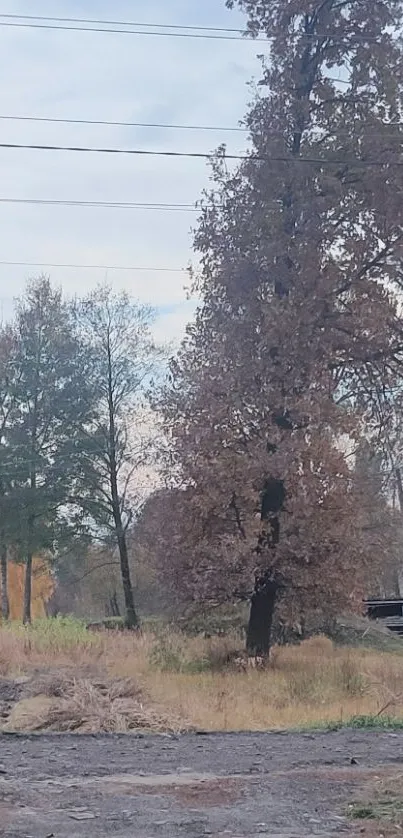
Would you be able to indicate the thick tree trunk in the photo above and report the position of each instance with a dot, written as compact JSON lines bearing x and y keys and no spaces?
{"x":264,"y":596}
{"x":131,"y":615}
{"x":5,"y":604}
{"x":132,"y":620}
{"x":261,"y":618}
{"x":26,"y":616}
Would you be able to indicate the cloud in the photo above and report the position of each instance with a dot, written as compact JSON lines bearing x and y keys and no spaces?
{"x":170,"y":325}
{"x":114,"y":77}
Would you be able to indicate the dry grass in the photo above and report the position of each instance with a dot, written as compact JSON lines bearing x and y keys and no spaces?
{"x":379,"y":808}
{"x":117,"y":707}
{"x":188,"y":679}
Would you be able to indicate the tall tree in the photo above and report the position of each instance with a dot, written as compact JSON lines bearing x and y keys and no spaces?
{"x":116,"y":332}
{"x":53,"y":403}
{"x":7,"y":411}
{"x":300,"y":251}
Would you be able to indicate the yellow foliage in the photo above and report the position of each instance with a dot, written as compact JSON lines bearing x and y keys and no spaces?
{"x":42,"y":588}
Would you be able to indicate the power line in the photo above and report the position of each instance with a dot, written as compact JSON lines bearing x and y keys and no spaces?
{"x":205,"y":156}
{"x":109,"y":30}
{"x":134,"y":151}
{"x":178,"y":30}
{"x":91,"y":267}
{"x":122,"y":124}
{"x":177,"y":126}
{"x":104,"y":204}
{"x":191,"y":31}
{"x":125,"y":23}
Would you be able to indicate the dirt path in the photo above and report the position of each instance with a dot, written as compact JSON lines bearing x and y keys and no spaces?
{"x":232,"y":785}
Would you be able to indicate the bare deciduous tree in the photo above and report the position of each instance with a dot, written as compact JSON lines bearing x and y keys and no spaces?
{"x":123,"y":356}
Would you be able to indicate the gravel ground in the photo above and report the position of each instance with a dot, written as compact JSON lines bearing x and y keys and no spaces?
{"x":221,"y":785}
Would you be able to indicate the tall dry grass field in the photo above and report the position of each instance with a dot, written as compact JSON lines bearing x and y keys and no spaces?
{"x":190,"y":679}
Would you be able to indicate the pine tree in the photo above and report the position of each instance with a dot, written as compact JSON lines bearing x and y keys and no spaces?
{"x":7,"y":414}
{"x":52,"y":404}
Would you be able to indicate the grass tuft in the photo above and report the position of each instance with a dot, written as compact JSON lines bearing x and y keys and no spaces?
{"x":365,"y":722}
{"x":362,"y":812}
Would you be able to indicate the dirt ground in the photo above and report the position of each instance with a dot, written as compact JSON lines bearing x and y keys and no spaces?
{"x":220,"y":785}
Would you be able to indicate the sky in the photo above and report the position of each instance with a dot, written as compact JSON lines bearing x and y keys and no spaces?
{"x":104,"y":76}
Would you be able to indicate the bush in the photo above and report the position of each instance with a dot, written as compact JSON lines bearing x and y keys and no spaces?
{"x":176,"y":653}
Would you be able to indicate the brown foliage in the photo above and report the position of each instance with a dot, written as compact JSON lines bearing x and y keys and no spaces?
{"x":299,"y":322}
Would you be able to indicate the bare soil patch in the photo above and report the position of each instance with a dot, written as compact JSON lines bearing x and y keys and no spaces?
{"x":220,"y":785}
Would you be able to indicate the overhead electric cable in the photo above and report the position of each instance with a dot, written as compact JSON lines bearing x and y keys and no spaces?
{"x":118,"y":124}
{"x":338,"y":161}
{"x":124,"y":23}
{"x":111,"y":267}
{"x":143,"y":32}
{"x":177,"y":126}
{"x":178,"y":30}
{"x":103,"y":204}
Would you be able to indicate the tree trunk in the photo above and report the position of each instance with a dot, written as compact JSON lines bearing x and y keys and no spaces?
{"x":26,"y":616}
{"x":399,"y":482}
{"x":396,"y":583}
{"x":5,"y":604}
{"x":114,"y":605}
{"x":264,"y":596}
{"x":261,"y":618}
{"x":132,"y":620}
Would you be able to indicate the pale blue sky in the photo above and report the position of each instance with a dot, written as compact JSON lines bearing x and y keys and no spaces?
{"x":114,"y":77}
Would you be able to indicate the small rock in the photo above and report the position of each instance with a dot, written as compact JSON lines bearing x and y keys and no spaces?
{"x":82,"y":816}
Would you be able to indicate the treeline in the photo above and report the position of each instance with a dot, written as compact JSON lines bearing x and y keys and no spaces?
{"x":282,"y":411}
{"x":72,"y":382}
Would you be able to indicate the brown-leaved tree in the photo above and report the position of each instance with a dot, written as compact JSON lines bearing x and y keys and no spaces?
{"x":300,"y":276}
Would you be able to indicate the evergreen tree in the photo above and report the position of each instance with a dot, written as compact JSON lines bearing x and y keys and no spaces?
{"x":52,"y":405}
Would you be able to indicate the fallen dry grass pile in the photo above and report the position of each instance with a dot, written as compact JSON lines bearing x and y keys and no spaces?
{"x":56,"y":702}
{"x":200,"y":682}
